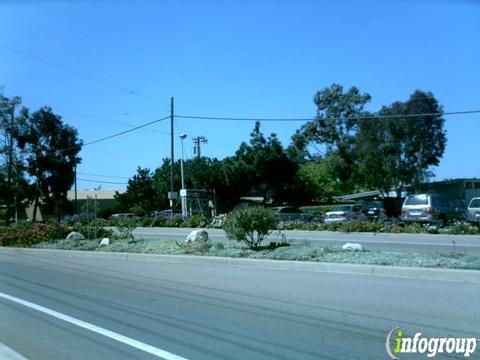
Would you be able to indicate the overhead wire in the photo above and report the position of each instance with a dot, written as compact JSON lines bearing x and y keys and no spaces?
{"x":103,"y":182}
{"x":327,"y":118}
{"x":238,"y":119}
{"x":79,"y":73}
{"x":104,"y":176}
{"x":97,"y":118}
{"x":126,"y":131}
{"x":116,"y":134}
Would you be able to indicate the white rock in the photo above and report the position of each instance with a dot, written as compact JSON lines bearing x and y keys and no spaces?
{"x":75,"y":236}
{"x":352,"y":247}
{"x":199,"y":235}
{"x":105,"y":242}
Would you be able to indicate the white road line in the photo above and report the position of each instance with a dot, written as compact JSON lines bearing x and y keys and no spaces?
{"x":110,"y":334}
{"x":7,"y":353}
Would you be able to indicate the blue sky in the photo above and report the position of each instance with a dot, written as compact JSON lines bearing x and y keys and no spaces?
{"x":234,"y":58}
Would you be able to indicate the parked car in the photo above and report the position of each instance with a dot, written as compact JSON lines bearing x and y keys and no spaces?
{"x":164,"y":213}
{"x":246,"y":204}
{"x":374,"y":210}
{"x":428,"y":208}
{"x":344,"y":213}
{"x":473,"y":210}
{"x":82,"y":217}
{"x":122,"y":215}
{"x":290,"y":213}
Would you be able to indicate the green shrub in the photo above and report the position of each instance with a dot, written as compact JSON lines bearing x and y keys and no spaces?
{"x":195,"y":247}
{"x":463,"y":229}
{"x":318,"y":210}
{"x":219,"y":246}
{"x":138,"y":210}
{"x":275,"y":245}
{"x":195,"y":221}
{"x":125,"y":227}
{"x":93,"y":230}
{"x":251,"y":225}
{"x":361,"y":226}
{"x":334,"y":226}
{"x":174,"y":221}
{"x":144,"y":222}
{"x":158,"y":221}
{"x":302,"y":225}
{"x":413,"y":228}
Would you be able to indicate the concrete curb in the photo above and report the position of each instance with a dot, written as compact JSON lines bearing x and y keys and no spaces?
{"x":307,"y":266}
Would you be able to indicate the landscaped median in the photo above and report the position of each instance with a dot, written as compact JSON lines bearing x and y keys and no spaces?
{"x":248,"y":227}
{"x":303,"y":252}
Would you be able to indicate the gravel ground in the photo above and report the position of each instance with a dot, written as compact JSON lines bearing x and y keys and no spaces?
{"x":305,"y":252}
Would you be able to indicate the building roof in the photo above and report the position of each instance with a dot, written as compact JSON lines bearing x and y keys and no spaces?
{"x":450,"y":181}
{"x":358,"y":196}
{"x":90,"y":194}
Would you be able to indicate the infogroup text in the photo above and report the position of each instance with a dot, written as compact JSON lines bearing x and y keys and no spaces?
{"x":429,"y":346}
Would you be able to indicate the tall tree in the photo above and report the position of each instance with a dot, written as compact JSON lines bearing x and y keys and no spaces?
{"x":11,"y":167}
{"x":399,"y":147}
{"x":140,"y":196}
{"x":332,"y":134}
{"x":200,"y":173}
{"x":50,"y":148}
{"x":271,"y":173}
{"x":319,"y":180}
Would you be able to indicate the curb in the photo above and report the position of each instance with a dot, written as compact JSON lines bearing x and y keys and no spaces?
{"x":417,"y":273}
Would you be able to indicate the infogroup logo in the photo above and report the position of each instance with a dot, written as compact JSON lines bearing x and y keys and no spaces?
{"x":397,"y":343}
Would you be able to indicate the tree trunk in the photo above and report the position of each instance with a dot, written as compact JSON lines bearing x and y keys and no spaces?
{"x":35,"y":207}
{"x":35,"y":203}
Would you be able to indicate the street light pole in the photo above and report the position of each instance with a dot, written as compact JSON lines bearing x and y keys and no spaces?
{"x":183,"y":197}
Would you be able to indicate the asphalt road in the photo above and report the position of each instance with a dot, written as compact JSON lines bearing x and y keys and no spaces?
{"x":217,"y":311}
{"x":421,"y":243}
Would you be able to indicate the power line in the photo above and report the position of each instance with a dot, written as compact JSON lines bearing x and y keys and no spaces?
{"x":102,"y":182}
{"x":345,"y":118}
{"x":117,"y":134}
{"x":126,"y":131}
{"x":238,"y":119}
{"x":76,"y":72}
{"x":97,"y":118}
{"x":427,"y":114}
{"x":126,"y":113}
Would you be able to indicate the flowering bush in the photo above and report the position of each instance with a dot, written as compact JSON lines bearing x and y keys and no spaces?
{"x":26,"y":234}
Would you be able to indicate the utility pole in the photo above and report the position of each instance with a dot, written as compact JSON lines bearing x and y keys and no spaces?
{"x":10,"y":159}
{"x":171,"y":195}
{"x":183,"y":196}
{"x":75,"y":209}
{"x":171,"y":143}
{"x":197,"y":141}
